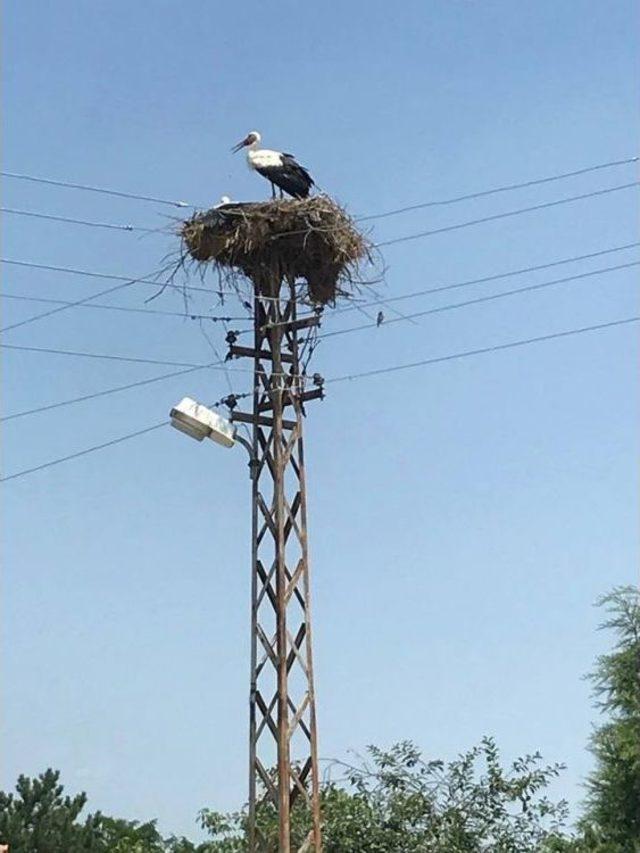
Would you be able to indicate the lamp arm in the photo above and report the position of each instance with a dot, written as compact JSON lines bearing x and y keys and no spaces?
{"x":253,"y":462}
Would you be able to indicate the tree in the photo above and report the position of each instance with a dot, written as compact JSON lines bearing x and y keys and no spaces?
{"x":612,"y":816}
{"x":38,"y":818}
{"x":396,"y":802}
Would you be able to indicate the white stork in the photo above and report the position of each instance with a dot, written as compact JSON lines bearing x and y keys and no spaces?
{"x":282,"y":170}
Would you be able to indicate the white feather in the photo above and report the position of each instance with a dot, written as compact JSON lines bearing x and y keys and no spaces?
{"x":264,"y":158}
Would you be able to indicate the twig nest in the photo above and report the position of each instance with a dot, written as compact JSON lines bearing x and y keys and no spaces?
{"x":312,"y":239}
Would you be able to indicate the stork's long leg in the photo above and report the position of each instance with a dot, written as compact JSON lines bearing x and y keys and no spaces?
{"x":281,"y":193}
{"x":273,"y":190}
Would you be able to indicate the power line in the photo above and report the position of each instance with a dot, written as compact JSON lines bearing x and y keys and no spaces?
{"x":365,"y":325}
{"x":105,"y":356}
{"x":108,"y":391}
{"x":352,"y":377}
{"x":396,"y":240}
{"x":104,"y":190}
{"x":437,"y":202}
{"x":389,"y":242}
{"x":467,"y":224}
{"x":506,"y":214}
{"x":495,"y":277}
{"x":228,"y":319}
{"x":482,"y":351}
{"x":64,"y":307}
{"x":136,"y":360}
{"x":480,"y":299}
{"x":184,"y":315}
{"x":110,"y":276}
{"x":112,"y":226}
{"x":402,"y":239}
{"x":221,"y":363}
{"x":84,"y":452}
{"x":501,"y":189}
{"x":351,"y":329}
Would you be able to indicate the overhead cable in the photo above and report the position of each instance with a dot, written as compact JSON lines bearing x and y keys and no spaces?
{"x":495,"y":277}
{"x":481,"y":351}
{"x":506,"y":214}
{"x":84,"y":452}
{"x":184,"y":315}
{"x":114,"y":227}
{"x":491,"y":297}
{"x":92,"y":189}
{"x":437,"y":202}
{"x":107,"y":392}
{"x":355,"y":376}
{"x":501,"y":189}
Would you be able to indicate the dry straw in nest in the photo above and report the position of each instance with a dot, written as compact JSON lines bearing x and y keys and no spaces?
{"x":287,"y":239}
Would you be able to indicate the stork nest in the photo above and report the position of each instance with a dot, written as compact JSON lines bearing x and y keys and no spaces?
{"x":312,"y":239}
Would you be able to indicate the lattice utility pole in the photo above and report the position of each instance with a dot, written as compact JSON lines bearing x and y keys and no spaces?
{"x":282,"y":702}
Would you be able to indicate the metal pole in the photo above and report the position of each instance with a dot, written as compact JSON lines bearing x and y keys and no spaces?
{"x":284,"y":775}
{"x":282,"y":700}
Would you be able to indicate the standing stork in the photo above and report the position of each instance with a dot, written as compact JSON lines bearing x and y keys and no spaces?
{"x":282,"y":170}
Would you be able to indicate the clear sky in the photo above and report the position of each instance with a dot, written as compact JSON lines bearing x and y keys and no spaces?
{"x":463,"y":516}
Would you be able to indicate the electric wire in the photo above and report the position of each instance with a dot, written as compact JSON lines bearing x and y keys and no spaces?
{"x":352,"y":377}
{"x":394,"y":241}
{"x":109,"y":276}
{"x":491,"y":297}
{"x":221,"y":363}
{"x":339,"y":310}
{"x":65,"y":307}
{"x":437,"y":202}
{"x":401,"y":239}
{"x":93,"y":189}
{"x":113,"y":226}
{"x":497,"y":276}
{"x":349,"y":377}
{"x":106,"y":392}
{"x":336,"y":311}
{"x":501,"y":189}
{"x":412,"y":316}
{"x":222,"y":366}
{"x":336,"y":332}
{"x":482,"y":351}
{"x":506,"y":214}
{"x":103,"y":356}
{"x":84,"y":452}
{"x":188,"y":315}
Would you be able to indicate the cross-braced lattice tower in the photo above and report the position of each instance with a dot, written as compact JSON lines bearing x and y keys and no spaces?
{"x":282,"y":702}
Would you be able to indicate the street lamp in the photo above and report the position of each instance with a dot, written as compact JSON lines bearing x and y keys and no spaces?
{"x":200,"y":422}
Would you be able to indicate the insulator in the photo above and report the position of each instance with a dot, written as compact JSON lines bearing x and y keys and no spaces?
{"x":231,"y":401}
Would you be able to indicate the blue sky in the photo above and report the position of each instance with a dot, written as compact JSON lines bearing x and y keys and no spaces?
{"x":463,"y":516}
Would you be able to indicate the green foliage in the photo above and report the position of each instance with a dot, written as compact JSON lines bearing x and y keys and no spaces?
{"x":611,"y":823}
{"x":38,"y":818}
{"x":396,"y":802}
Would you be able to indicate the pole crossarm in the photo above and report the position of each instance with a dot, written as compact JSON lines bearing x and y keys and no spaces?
{"x":282,"y":701}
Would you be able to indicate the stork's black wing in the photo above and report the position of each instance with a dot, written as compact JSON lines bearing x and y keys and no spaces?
{"x":290,"y":176}
{"x":290,"y":161}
